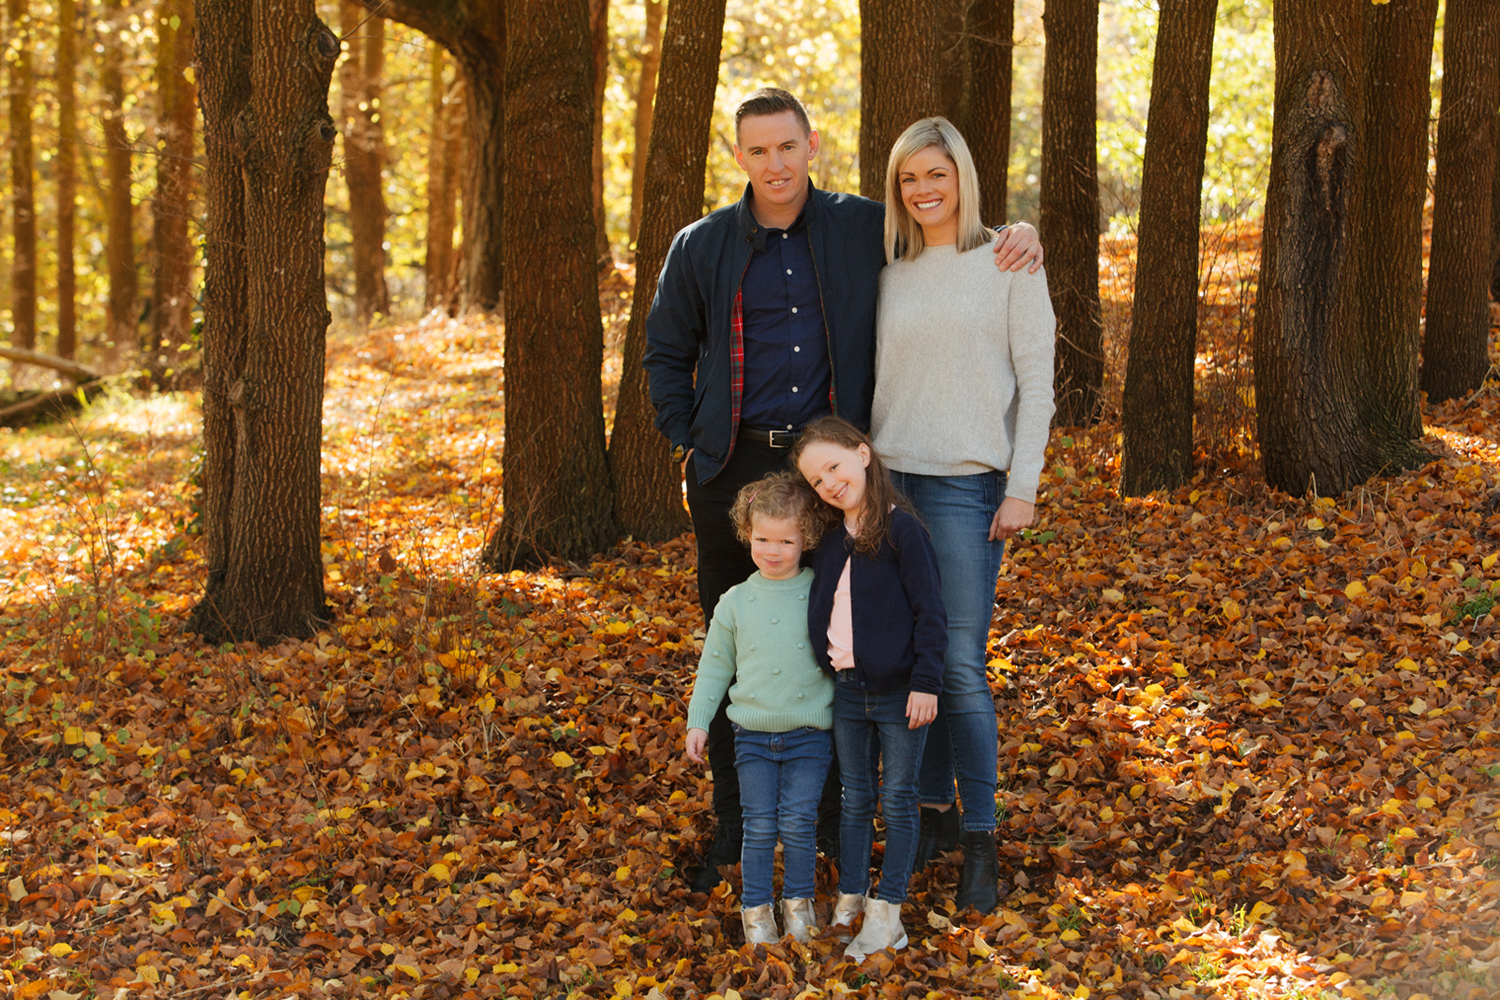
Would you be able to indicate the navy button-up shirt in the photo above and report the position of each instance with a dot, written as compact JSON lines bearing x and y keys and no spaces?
{"x":787,"y":373}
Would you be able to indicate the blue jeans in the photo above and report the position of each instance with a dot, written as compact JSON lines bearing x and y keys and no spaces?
{"x":781,"y":781}
{"x":874,"y":742}
{"x":964,"y":743}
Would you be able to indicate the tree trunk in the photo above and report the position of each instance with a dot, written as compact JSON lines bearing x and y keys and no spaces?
{"x":1455,"y":349}
{"x":599,"y":32}
{"x":1157,"y":415}
{"x":67,"y":176}
{"x":223,"y":74}
{"x":122,"y":320}
{"x":23,"y":194}
{"x":645,"y":100}
{"x":647,"y":484}
{"x":272,"y":585}
{"x":172,"y":248}
{"x":474,"y":31}
{"x":1070,"y":204}
{"x":364,"y":155}
{"x":897,"y":84}
{"x":442,"y":181}
{"x":950,"y":68}
{"x":1311,"y":391}
{"x":556,"y":487}
{"x":1398,"y":72}
{"x":985,"y":116}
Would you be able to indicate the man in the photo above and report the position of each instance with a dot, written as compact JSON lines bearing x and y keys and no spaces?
{"x":764,"y":320}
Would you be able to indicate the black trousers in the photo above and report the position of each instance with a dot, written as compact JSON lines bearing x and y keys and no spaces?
{"x":723,"y":561}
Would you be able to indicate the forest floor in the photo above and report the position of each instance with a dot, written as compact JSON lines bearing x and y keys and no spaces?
{"x":1249,"y":741}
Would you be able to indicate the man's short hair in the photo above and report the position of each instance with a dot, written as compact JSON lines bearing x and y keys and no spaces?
{"x":770,"y":101}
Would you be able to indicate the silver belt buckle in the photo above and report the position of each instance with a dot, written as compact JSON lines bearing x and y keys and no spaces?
{"x":782,"y":439}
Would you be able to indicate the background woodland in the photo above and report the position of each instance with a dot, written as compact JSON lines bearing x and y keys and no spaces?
{"x":348,"y":614}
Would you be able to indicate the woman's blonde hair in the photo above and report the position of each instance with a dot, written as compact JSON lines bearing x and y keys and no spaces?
{"x":783,"y":496}
{"x":903,"y":234}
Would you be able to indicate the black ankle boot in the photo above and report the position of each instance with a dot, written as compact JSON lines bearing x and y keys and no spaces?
{"x":725,"y":850}
{"x":938,"y":833}
{"x":978,"y":885}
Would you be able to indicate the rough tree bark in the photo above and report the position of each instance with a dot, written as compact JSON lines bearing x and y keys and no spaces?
{"x":67,"y":176}
{"x":647,"y":484}
{"x":364,"y":155}
{"x":282,"y":138}
{"x":1157,"y":415}
{"x":1398,"y":71}
{"x":23,"y":194}
{"x":599,"y":33}
{"x":1455,"y":348}
{"x":1070,"y":204}
{"x":897,"y":80}
{"x":223,"y":74}
{"x":474,"y":31}
{"x":985,"y":115}
{"x":442,"y":180}
{"x":645,"y":100}
{"x":1314,"y":413}
{"x":556,"y":489}
{"x":122,"y":320}
{"x":171,"y":243}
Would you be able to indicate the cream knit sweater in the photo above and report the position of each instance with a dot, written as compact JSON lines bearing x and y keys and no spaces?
{"x":963,"y":368}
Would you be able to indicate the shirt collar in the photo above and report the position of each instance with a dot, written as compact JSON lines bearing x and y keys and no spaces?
{"x":754,"y":233}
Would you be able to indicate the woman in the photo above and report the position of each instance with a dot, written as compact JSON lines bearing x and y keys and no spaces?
{"x":963,"y":402}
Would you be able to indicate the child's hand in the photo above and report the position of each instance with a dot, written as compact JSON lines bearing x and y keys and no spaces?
{"x":920,"y":710}
{"x":697,"y":740}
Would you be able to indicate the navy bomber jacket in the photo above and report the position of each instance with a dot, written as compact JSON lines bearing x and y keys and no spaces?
{"x":689,"y":330}
{"x":896,"y":603}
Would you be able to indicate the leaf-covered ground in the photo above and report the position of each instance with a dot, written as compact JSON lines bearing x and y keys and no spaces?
{"x":1249,"y":741}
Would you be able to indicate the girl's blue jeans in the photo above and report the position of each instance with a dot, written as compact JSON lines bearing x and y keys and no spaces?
{"x":964,"y":743}
{"x":781,"y":781}
{"x":874,"y":743}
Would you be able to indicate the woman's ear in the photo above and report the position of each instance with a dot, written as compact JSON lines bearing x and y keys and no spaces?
{"x":864,"y":455}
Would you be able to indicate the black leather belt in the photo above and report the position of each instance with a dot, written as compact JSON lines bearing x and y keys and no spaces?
{"x":774,"y":437}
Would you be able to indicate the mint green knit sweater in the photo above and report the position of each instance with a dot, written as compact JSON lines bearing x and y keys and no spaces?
{"x":758,"y":649}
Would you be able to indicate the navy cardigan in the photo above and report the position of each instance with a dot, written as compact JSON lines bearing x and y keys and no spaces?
{"x":896,"y":603}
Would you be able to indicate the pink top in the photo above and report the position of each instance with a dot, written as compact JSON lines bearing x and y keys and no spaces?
{"x":841,"y":626}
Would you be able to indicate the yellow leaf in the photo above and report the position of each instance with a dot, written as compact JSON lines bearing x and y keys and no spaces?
{"x":512,"y":679}
{"x":1112,"y":595}
{"x":617,"y":628}
{"x":1488,"y":561}
{"x":72,"y":736}
{"x":561,"y":759}
{"x":1406,"y":663}
{"x":1410,"y":899}
{"x":1315,"y":524}
{"x":440,"y":872}
{"x":243,"y":961}
{"x":471,"y":974}
{"x":410,"y":970}
{"x":1425,"y":802}
{"x":1082,"y":993}
{"x":1069,"y":935}
{"x":622,"y":873}
{"x":149,"y":974}
{"x":16,"y":887}
{"x":1260,"y":911}
{"x":1178,"y":670}
{"x":1354,"y":589}
{"x":1232,"y":609}
{"x":60,"y":950}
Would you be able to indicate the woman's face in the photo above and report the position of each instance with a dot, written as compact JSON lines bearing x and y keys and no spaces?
{"x":929,"y":190}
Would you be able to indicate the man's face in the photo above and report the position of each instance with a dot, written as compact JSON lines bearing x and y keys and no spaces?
{"x":775,"y":153}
